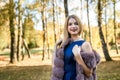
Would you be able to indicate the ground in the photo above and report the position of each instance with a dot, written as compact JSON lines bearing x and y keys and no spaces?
{"x":35,"y":69}
{"x":35,"y":60}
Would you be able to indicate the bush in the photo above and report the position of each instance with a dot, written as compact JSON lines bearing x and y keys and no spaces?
{"x":32,"y":45}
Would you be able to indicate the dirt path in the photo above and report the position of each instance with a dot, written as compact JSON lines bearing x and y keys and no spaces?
{"x":35,"y":60}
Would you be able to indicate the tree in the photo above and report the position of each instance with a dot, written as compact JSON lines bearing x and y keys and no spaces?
{"x":90,"y":37}
{"x":66,"y":7}
{"x":116,"y":47}
{"x":104,"y":46}
{"x":106,"y":27}
{"x":19,"y":41}
{"x":24,"y":30}
{"x":43,"y":24}
{"x":12,"y":31}
{"x":54,"y":21}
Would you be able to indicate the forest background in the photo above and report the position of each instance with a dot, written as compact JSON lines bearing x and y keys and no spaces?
{"x":29,"y":27}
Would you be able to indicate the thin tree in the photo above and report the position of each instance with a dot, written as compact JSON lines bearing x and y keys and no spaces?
{"x":47,"y":41}
{"x":19,"y":42}
{"x":12,"y":31}
{"x":66,"y":7}
{"x":60,"y":25}
{"x":54,"y":21}
{"x":106,"y":27}
{"x":24,"y":43}
{"x":90,"y":37}
{"x":57,"y":19}
{"x":82,"y":15}
{"x":43,"y":24}
{"x":104,"y":46}
{"x":116,"y":47}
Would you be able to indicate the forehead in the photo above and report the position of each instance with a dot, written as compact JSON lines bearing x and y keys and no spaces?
{"x":72,"y":20}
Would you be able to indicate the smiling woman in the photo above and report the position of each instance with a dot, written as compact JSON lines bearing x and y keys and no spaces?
{"x":68,"y":56}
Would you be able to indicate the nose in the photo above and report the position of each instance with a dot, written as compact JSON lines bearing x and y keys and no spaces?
{"x":73,"y":25}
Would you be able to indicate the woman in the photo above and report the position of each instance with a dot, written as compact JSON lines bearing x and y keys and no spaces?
{"x":67,"y":56}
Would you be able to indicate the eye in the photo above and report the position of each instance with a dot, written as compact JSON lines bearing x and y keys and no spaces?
{"x":69,"y":24}
{"x":76,"y":23}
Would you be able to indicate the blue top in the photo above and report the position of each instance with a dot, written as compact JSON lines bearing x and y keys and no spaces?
{"x":69,"y":61}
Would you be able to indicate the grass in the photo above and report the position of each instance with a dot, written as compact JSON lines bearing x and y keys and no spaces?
{"x":25,"y":73}
{"x":109,"y":70}
{"x":105,"y":71}
{"x":32,"y":51}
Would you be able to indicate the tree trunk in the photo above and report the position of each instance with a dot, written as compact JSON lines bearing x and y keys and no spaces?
{"x":106,"y":29}
{"x":47,"y":41}
{"x":57,"y":20}
{"x":54,"y":22}
{"x":116,"y":47}
{"x":104,"y":46}
{"x":12,"y":31}
{"x":26,"y":47}
{"x":60,"y":27}
{"x":82,"y":16}
{"x":66,"y":7}
{"x":19,"y":42}
{"x":43,"y":24}
{"x":90,"y":37}
{"x":24,"y":44}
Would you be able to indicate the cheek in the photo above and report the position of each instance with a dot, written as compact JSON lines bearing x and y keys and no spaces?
{"x":68,"y":29}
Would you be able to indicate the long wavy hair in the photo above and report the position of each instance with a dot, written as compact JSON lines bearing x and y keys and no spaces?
{"x":66,"y":33}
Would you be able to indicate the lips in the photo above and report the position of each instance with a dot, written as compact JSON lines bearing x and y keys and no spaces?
{"x":73,"y":29}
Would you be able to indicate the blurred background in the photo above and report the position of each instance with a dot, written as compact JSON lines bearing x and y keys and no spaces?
{"x":28,"y":24}
{"x":32,"y":27}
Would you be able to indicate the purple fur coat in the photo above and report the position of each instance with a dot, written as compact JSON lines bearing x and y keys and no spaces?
{"x":90,"y":59}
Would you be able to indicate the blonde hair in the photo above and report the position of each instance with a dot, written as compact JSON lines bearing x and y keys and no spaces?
{"x":66,"y":34}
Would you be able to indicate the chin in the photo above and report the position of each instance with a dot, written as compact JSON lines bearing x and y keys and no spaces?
{"x":74,"y":33}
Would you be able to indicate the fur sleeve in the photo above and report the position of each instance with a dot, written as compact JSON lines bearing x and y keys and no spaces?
{"x":97,"y":57}
{"x":89,"y":59}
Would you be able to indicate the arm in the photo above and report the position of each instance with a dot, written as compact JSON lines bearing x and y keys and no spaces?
{"x":80,"y":61}
{"x":76,"y":51}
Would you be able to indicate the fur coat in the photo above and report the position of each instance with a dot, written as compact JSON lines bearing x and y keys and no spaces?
{"x":90,"y":59}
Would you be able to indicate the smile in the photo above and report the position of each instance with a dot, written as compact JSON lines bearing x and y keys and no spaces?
{"x":73,"y":29}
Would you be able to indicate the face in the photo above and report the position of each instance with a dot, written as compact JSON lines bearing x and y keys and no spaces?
{"x":73,"y":27}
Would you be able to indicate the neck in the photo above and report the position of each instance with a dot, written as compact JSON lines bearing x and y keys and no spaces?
{"x":75,"y":37}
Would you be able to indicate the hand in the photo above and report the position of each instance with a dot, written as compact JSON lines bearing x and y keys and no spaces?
{"x":76,"y":50}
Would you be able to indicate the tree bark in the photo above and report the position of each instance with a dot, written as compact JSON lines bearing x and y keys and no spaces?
{"x":12,"y":31}
{"x":116,"y":47}
{"x":66,"y":7}
{"x":90,"y":37}
{"x":43,"y":24}
{"x":54,"y":21}
{"x":26,"y":47}
{"x":104,"y":46}
{"x":19,"y":42}
{"x":106,"y":26}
